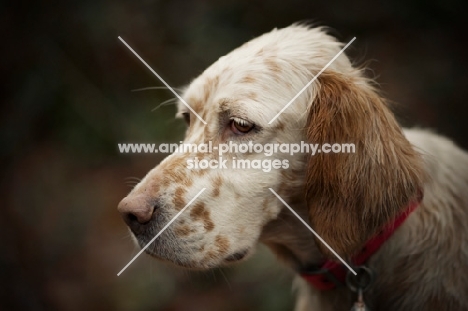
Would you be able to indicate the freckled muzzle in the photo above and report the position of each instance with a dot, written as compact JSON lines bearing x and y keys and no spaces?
{"x":193,"y":240}
{"x":146,"y":216}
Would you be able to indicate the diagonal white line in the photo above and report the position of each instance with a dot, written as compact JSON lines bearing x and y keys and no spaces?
{"x":162,"y":80}
{"x":312,"y":81}
{"x":312,"y":230}
{"x":162,"y":230}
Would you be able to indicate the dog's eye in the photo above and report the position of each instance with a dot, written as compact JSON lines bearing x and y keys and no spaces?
{"x":241,"y":126}
{"x":186,"y":116}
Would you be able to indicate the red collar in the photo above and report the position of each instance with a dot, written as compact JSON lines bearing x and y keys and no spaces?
{"x":332,"y":273}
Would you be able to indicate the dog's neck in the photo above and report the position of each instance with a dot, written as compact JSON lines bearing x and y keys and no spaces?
{"x":290,"y":240}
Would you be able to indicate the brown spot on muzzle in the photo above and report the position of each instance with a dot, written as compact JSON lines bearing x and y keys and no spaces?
{"x":178,"y":200}
{"x":217,"y":183}
{"x":222,"y":243}
{"x":210,"y":255}
{"x":200,"y":213}
{"x":221,"y":248}
{"x":175,"y":170}
{"x":183,"y":230}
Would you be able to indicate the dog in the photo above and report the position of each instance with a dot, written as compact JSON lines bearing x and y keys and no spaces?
{"x":407,"y":184}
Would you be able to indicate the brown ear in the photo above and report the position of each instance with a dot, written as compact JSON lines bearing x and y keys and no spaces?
{"x":352,"y":196}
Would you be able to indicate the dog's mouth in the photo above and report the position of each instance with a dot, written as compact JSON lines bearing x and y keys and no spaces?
{"x":236,"y":256}
{"x":194,"y":265}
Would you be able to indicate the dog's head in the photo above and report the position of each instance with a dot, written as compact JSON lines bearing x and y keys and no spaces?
{"x":349,"y":196}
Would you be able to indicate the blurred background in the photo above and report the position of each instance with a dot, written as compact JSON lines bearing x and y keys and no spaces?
{"x":67,"y":101}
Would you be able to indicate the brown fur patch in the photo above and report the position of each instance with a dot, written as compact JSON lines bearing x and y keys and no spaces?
{"x":217,"y":183}
{"x":164,"y":182}
{"x":248,"y":80}
{"x":175,"y":172}
{"x":187,"y":182}
{"x":283,"y":188}
{"x":216,"y":191}
{"x":183,"y":230}
{"x":222,"y":244}
{"x":280,"y":126}
{"x":199,"y":172}
{"x":210,"y":255}
{"x":178,"y":200}
{"x":155,"y":187}
{"x":195,"y":103}
{"x":351,"y":196}
{"x":199,"y":212}
{"x":272,"y":65}
{"x":208,"y":224}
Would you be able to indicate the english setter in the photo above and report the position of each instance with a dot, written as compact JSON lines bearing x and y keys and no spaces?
{"x":346,"y":198}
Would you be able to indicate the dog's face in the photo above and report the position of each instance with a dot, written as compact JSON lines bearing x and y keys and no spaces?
{"x":237,"y":97}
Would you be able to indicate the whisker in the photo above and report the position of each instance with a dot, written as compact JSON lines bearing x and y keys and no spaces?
{"x":165,"y":103}
{"x":127,"y":236}
{"x":155,"y":88}
{"x":213,"y":274}
{"x":131,"y":186}
{"x":132,"y":181}
{"x":226,"y":279}
{"x":133,"y":178}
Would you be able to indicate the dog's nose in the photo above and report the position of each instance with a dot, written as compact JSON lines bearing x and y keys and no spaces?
{"x":137,"y":210}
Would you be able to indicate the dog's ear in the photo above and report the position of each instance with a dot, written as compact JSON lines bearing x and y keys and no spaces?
{"x":351,"y":196}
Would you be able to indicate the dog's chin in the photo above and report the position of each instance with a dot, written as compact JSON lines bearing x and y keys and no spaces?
{"x":175,"y":255}
{"x":185,"y":263}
